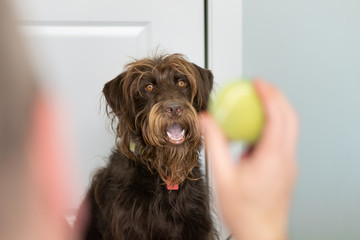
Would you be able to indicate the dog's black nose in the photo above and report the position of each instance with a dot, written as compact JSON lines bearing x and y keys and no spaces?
{"x":173,"y":109}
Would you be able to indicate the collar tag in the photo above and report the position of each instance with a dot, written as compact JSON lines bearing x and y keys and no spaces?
{"x":136,"y":150}
{"x":171,"y":186}
{"x":132,"y":147}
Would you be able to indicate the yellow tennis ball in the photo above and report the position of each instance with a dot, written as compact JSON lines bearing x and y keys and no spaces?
{"x":238,"y":110}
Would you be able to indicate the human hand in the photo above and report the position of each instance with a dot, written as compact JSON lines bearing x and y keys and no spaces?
{"x":254,"y":194}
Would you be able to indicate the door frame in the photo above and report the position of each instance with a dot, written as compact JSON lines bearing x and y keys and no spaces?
{"x":223,"y":56}
{"x":223,"y":46}
{"x":223,"y":38}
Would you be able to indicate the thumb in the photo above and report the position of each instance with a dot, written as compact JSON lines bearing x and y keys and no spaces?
{"x":217,"y":146}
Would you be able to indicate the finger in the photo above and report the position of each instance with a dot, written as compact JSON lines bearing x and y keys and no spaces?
{"x":290,"y":124}
{"x":272,"y":135}
{"x":291,"y":127}
{"x":217,"y":147}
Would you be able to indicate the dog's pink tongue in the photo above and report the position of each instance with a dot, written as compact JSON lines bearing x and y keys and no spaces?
{"x":175,"y":130}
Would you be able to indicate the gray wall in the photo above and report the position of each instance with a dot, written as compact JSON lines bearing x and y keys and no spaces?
{"x":311,"y":50}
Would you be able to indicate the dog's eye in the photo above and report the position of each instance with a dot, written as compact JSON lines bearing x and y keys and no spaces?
{"x":149,"y":87}
{"x":181,"y":84}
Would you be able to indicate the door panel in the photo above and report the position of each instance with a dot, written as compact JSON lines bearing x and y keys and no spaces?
{"x":76,"y":61}
{"x":177,"y":26}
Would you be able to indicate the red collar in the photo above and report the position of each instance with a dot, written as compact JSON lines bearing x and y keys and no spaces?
{"x":170,"y":186}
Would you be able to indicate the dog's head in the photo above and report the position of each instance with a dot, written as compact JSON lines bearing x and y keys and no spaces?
{"x":154,"y":104}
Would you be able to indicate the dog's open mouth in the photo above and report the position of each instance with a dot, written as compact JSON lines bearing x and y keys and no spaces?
{"x":175,"y":134}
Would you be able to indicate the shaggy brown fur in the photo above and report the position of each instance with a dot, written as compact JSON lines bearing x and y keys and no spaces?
{"x":129,"y":198}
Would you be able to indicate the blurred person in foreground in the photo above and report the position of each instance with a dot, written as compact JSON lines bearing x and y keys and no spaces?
{"x":32,"y":189}
{"x":254,"y":195}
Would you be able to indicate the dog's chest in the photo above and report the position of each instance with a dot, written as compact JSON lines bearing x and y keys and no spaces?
{"x":131,"y":202}
{"x":147,"y":203}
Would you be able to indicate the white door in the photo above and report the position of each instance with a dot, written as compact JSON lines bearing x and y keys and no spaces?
{"x":81,"y":44}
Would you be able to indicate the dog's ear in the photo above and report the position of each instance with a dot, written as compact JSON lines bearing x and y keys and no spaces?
{"x":114,"y":94}
{"x":204,"y":87}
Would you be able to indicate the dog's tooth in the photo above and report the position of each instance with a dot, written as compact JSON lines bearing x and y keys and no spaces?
{"x":169,"y":135}
{"x":176,"y":139}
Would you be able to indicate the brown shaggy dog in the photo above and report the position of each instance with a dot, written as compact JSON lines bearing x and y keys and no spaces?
{"x":152,"y":186}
